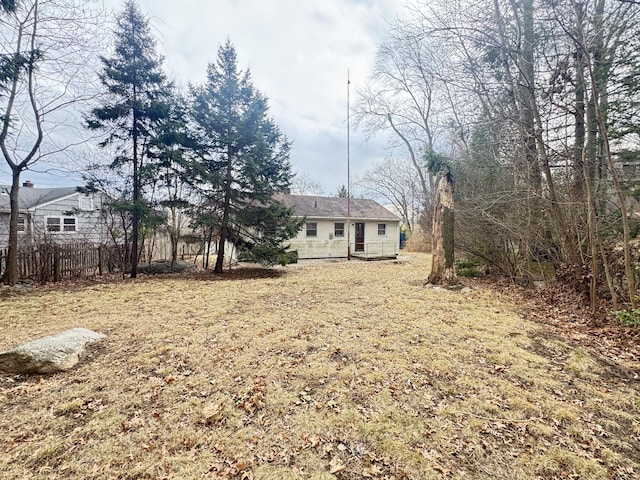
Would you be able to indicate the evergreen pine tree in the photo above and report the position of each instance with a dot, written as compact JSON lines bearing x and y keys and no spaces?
{"x":137,"y":90}
{"x":8,"y":5}
{"x":10,"y":63}
{"x":342,"y":192}
{"x":244,"y":162}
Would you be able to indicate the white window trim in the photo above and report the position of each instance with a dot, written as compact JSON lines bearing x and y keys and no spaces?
{"x":385,"y":230}
{"x":306,"y":230}
{"x":61,"y":223}
{"x":25,"y":224}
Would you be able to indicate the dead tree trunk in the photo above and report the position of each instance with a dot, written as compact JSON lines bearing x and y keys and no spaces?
{"x":442,"y":267}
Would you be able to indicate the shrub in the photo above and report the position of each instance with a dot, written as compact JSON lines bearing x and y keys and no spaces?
{"x":468,"y":267}
{"x":629,"y":318}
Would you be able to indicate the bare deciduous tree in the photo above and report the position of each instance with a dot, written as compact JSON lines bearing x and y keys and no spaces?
{"x":401,"y":97}
{"x":394,"y":181}
{"x":52,"y":45}
{"x":304,"y":184}
{"x":546,"y":90}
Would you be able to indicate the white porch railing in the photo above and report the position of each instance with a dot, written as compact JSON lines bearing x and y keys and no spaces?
{"x":374,"y":249}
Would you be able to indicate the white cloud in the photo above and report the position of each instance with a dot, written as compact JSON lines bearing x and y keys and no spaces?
{"x":298,"y":51}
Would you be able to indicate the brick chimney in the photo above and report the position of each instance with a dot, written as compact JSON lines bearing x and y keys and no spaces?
{"x":28,"y":184}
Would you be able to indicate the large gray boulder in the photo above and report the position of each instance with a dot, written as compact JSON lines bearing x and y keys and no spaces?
{"x":56,"y":353}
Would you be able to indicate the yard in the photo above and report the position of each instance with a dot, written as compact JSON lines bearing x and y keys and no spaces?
{"x":347,"y":370}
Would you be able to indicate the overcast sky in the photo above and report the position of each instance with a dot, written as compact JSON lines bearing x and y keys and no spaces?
{"x":298,"y":51}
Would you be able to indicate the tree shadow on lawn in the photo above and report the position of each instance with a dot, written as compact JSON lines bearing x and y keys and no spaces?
{"x":80,"y":283}
{"x":236,"y":273}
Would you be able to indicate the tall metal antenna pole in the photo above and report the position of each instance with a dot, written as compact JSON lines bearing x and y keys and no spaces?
{"x":348,"y":175}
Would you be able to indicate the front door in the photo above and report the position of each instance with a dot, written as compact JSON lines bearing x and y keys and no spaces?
{"x":359,"y":237}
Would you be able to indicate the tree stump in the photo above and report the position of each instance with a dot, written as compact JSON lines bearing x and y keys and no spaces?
{"x":442,"y":253}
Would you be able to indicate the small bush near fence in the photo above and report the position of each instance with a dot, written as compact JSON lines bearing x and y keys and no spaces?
{"x":51,"y":262}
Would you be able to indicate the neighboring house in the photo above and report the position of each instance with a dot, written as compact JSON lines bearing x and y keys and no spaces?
{"x":59,"y":214}
{"x":374,"y":232}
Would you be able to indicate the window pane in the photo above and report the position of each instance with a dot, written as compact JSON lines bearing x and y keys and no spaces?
{"x":22,"y":225}
{"x":382,"y":229}
{"x":69,"y":224}
{"x":312,"y":229}
{"x":53,"y":224}
{"x":338,"y":229}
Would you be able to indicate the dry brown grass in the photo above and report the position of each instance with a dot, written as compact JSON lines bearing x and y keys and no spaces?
{"x":343,"y":370}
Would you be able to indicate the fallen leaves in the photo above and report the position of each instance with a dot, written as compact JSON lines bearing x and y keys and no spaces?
{"x":563,"y":309}
{"x":254,"y":399}
{"x":336,"y":465}
{"x":213,"y":414}
{"x":347,"y":371}
{"x":232,"y":469}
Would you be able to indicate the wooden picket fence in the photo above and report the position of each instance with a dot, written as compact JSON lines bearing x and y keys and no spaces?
{"x":51,"y":262}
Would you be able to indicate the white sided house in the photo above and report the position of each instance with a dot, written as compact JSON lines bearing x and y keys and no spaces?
{"x":61,"y":215}
{"x":373,"y":231}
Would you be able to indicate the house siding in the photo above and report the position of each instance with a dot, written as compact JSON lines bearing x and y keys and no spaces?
{"x":387,"y":245}
{"x":4,"y":229}
{"x":326,"y":245}
{"x":89,"y":225}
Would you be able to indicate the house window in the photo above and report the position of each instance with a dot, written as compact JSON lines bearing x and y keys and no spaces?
{"x":22,"y":223}
{"x":382,"y":229}
{"x":61,"y":224}
{"x":312,"y":229}
{"x":53,"y":224}
{"x":69,"y":224}
{"x":338,"y":229}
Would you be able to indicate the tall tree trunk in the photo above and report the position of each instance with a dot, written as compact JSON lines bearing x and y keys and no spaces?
{"x":600,"y":79}
{"x":536,"y":233}
{"x":219,"y":268}
{"x":224,"y":233}
{"x":442,"y":254}
{"x":527,"y":100}
{"x":135,"y":227}
{"x":579,"y":115}
{"x":11,"y":272}
{"x":174,"y":248}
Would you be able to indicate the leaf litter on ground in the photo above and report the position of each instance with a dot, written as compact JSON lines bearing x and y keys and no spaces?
{"x":342,"y":370}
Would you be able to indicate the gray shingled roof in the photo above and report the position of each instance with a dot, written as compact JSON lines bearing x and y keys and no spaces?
{"x":335,"y":207}
{"x":30,"y":197}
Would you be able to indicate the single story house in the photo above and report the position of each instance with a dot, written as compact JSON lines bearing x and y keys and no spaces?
{"x":61,"y":214}
{"x":370,"y":230}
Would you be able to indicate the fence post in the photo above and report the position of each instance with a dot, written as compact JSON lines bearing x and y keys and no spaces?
{"x":100,"y":259}
{"x":57,"y":261}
